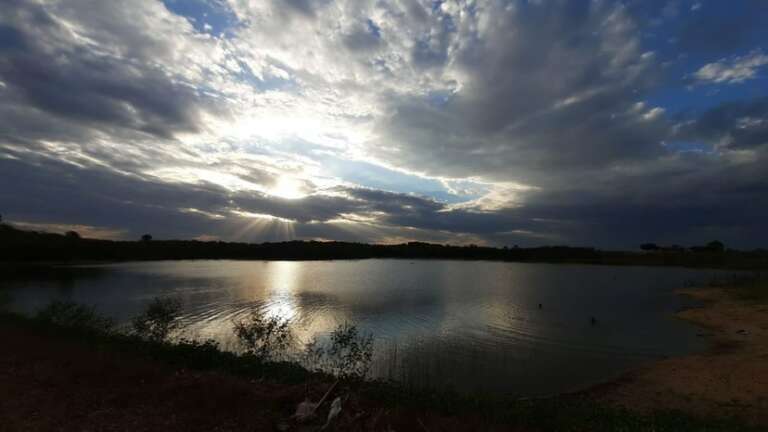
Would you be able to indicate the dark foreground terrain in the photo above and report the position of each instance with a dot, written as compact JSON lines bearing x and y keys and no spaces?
{"x":50,"y":383}
{"x":53,"y":379}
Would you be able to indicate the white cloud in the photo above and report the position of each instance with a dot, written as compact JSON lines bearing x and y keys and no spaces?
{"x":732,"y":71}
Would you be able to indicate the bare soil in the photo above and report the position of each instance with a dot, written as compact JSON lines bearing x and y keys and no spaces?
{"x":57,"y":384}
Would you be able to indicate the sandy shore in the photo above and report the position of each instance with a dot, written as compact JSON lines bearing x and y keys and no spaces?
{"x":731,"y":379}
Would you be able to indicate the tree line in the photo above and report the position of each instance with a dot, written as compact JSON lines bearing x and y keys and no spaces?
{"x":20,"y":245}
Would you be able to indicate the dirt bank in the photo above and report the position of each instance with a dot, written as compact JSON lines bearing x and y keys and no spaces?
{"x":57,"y":384}
{"x":729,"y":380}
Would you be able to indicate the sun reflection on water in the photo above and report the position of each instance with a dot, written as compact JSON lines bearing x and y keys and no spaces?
{"x":283,"y":284}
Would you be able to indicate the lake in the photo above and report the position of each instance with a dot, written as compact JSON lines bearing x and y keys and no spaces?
{"x":464,"y":325}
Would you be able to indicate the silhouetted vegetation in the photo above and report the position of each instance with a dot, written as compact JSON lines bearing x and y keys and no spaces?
{"x":75,"y":316}
{"x":267,"y":338}
{"x":348,"y":355}
{"x":158,"y":320}
{"x":21,"y":245}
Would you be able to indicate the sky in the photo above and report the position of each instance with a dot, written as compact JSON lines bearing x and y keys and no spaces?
{"x":498,"y":122}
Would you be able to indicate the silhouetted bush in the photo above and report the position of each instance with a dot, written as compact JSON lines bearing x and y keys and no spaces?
{"x":5,"y":299}
{"x":73,"y":315}
{"x":348,"y":355}
{"x":267,"y":338}
{"x":158,"y":320}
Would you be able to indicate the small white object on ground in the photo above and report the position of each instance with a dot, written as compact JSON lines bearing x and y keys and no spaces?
{"x":334,"y":411}
{"x":305,"y":411}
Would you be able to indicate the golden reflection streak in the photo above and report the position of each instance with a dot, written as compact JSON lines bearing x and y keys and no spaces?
{"x":283,"y":285}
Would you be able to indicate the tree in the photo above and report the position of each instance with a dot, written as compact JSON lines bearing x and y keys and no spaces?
{"x":146,"y":238}
{"x":716,"y":246}
{"x":649,"y":246}
{"x":72,"y":234}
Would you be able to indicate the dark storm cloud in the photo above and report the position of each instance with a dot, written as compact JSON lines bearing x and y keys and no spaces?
{"x":520,"y":113}
{"x":45,"y":69}
{"x":683,"y":198}
{"x":738,"y":124}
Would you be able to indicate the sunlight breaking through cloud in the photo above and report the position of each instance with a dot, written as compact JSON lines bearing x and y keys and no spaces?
{"x":372,"y":121}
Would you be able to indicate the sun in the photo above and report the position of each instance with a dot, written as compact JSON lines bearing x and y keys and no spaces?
{"x":288,"y":188}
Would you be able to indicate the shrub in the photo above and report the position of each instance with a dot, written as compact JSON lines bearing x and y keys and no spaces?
{"x":73,"y":315}
{"x":268,"y":338}
{"x":158,"y":320}
{"x":348,"y":355}
{"x":5,"y":299}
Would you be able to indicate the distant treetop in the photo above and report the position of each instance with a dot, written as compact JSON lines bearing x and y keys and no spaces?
{"x":146,"y":237}
{"x":649,"y":246}
{"x":716,"y":246}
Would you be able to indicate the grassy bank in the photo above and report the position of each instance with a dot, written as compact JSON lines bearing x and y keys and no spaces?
{"x":367,"y":405}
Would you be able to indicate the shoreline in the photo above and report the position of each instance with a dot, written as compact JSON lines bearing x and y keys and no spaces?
{"x":58,"y":377}
{"x":606,"y":262}
{"x":728,"y":380}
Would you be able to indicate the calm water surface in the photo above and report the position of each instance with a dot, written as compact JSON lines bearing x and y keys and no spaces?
{"x":466,"y":325}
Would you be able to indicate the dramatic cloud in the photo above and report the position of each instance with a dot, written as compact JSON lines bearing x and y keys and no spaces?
{"x":587,"y":122}
{"x":735,"y":125}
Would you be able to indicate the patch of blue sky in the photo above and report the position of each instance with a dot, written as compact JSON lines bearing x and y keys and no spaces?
{"x":265,"y":83}
{"x":698,"y":34}
{"x":377,"y":177}
{"x":439,"y":98}
{"x":373,"y":28}
{"x":207,"y":16}
{"x":368,"y":174}
{"x":692,"y":99}
{"x":689,"y":146}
